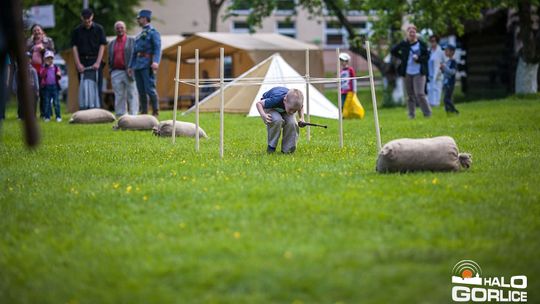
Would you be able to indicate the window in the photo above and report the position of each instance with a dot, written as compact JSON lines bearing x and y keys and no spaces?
{"x":355,"y":13}
{"x":240,"y":27}
{"x":241,"y":7}
{"x":285,"y":7}
{"x":228,"y":67}
{"x":287,"y":28}
{"x":333,"y":25}
{"x":334,"y":39}
{"x":334,"y":34}
{"x":360,"y":27}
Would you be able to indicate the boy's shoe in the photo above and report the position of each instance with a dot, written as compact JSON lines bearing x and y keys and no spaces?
{"x":47,"y":120}
{"x":58,"y":119}
{"x":290,"y":151}
{"x":270,"y":149}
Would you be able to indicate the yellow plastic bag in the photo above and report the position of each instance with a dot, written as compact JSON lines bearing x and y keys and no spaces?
{"x":353,"y":108}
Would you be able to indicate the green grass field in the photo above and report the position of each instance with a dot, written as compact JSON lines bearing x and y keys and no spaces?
{"x":101,"y":216}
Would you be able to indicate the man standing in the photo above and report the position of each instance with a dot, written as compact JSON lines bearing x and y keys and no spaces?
{"x":88,"y":41}
{"x":123,"y":84}
{"x":145,"y":62}
{"x":435,"y":76}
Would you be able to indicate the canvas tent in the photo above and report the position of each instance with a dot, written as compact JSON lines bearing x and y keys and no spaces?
{"x":239,"y":97}
{"x":163,"y":80}
{"x":243,"y":50}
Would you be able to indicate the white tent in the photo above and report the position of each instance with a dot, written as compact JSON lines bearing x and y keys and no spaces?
{"x":242,"y":93}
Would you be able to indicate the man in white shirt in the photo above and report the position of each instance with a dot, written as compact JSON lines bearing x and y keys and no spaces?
{"x":435,"y":77}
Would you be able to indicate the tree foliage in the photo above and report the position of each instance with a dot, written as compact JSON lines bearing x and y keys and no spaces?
{"x":67,"y":14}
{"x":442,"y":16}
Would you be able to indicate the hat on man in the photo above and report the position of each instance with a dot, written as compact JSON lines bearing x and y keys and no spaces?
{"x":451,"y":47}
{"x":49,"y":54}
{"x":86,"y":13}
{"x":145,"y":13}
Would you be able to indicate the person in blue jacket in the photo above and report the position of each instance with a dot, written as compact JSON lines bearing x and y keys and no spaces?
{"x":145,"y":62}
{"x":449,"y":69}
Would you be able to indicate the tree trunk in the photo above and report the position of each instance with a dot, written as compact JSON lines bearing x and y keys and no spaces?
{"x":526,"y":33}
{"x":213,"y":20}
{"x":526,"y":77}
{"x":12,"y":38}
{"x":527,"y":68}
{"x":356,"y":41}
{"x":393,"y":93}
{"x":214,"y":6}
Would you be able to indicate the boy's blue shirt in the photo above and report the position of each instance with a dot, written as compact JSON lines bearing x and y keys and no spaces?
{"x":273,"y":98}
{"x":449,"y":72}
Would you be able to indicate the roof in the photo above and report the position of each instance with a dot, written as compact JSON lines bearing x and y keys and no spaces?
{"x":166,"y":40}
{"x":169,"y":40}
{"x":209,"y":44}
{"x":262,"y":41}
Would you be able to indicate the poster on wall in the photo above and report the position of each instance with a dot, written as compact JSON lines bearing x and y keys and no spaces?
{"x":41,"y":14}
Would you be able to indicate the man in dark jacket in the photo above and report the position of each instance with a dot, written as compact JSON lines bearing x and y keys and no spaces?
{"x":414,"y":56}
{"x":88,"y":42}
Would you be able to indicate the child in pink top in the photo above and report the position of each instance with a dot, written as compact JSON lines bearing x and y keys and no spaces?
{"x":347,"y":85}
{"x":50,"y":76}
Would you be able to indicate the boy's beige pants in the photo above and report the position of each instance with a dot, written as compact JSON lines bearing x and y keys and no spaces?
{"x":290,"y":130}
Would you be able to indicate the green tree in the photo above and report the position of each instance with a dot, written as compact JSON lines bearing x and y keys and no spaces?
{"x":435,"y":15}
{"x":67,"y":15}
{"x":442,"y":16}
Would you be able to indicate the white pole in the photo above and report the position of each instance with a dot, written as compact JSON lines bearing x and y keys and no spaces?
{"x":197,"y":100}
{"x":340,"y":104}
{"x":222,"y":106}
{"x":176,"y":87}
{"x":308,"y":119}
{"x":373,"y":98}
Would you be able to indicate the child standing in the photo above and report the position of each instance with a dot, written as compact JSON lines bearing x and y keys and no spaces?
{"x":50,"y":76}
{"x":449,"y":69}
{"x":347,"y":85}
{"x":277,"y":108}
{"x":34,"y":86}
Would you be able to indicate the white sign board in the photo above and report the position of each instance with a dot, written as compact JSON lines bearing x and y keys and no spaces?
{"x":42,"y":15}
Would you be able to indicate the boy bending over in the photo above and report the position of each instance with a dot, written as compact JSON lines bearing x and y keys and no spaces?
{"x":277,"y":108}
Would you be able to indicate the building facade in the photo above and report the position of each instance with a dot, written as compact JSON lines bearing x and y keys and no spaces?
{"x":185,"y":17}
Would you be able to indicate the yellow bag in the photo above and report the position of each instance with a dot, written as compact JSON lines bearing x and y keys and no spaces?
{"x":353,"y":108}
